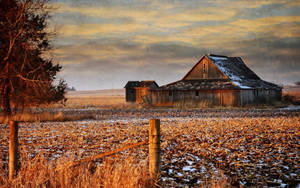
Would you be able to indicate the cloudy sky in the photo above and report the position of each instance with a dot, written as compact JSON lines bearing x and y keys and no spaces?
{"x":104,"y":43}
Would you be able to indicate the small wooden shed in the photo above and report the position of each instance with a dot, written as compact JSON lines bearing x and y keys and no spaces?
{"x":217,"y":81}
{"x":136,"y":90}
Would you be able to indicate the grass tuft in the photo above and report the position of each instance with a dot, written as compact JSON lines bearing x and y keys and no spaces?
{"x":45,"y":116}
{"x":39,"y":172}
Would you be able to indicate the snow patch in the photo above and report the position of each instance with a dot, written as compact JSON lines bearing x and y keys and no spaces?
{"x":189,"y":168}
{"x":241,"y":86}
{"x":220,"y":63}
{"x":291,"y":107}
{"x":227,"y":71}
{"x":215,"y":58}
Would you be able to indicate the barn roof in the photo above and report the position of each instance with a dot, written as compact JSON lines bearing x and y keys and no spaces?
{"x":144,"y":83}
{"x":214,"y":84}
{"x":233,"y":67}
{"x":240,"y":77}
{"x":199,"y":85}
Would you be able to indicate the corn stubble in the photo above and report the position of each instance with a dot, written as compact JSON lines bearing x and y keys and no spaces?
{"x":205,"y":152}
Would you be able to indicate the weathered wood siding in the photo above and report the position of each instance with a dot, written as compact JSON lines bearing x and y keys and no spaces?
{"x":161,"y":98}
{"x":130,"y":95}
{"x":231,"y":97}
{"x":205,"y":69}
{"x":197,"y":98}
{"x":260,"y":96}
{"x":140,"y":93}
{"x":210,"y":98}
{"x":136,"y":93}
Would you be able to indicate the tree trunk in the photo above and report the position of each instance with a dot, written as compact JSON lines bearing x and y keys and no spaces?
{"x":7,"y":107}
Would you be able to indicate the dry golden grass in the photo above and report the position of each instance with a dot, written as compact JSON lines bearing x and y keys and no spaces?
{"x":40,"y":172}
{"x":95,"y":99}
{"x":99,"y":102}
{"x":45,"y":116}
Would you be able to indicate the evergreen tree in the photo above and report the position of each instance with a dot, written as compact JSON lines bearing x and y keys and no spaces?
{"x":27,"y":73}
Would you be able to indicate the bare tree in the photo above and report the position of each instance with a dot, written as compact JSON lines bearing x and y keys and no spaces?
{"x":27,"y":74}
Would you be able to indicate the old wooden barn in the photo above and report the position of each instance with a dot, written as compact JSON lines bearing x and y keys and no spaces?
{"x":136,"y":90}
{"x":216,"y":81}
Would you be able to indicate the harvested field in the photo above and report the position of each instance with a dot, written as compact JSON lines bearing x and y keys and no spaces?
{"x":244,"y":147}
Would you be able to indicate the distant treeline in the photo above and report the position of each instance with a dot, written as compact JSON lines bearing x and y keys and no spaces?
{"x":70,"y":88}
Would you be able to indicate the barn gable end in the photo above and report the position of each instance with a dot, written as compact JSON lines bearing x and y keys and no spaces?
{"x":205,"y":69}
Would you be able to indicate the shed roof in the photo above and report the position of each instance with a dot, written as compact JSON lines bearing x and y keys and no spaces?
{"x":144,"y":83}
{"x":132,"y":84}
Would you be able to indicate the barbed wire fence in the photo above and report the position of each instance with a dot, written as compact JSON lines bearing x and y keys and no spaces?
{"x":153,"y":142}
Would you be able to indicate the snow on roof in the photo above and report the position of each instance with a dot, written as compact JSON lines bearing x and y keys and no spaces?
{"x":218,"y":58}
{"x":233,"y":67}
{"x":241,"y":85}
{"x":256,"y":84}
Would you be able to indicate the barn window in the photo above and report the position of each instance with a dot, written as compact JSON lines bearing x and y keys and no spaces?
{"x":197,"y":93}
{"x":204,"y":67}
{"x":170,"y":93}
{"x":131,"y":91}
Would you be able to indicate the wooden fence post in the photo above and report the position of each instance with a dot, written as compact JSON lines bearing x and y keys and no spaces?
{"x":154,"y":147}
{"x":13,"y":149}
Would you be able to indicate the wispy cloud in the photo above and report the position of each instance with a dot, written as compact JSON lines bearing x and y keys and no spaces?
{"x":141,"y":39}
{"x":263,"y":24}
{"x":94,"y":29}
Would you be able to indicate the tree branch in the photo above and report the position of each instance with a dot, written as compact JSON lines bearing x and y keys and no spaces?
{"x":30,"y":80}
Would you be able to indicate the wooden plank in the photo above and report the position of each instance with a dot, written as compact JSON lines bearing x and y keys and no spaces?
{"x":154,"y":147}
{"x":13,"y":149}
